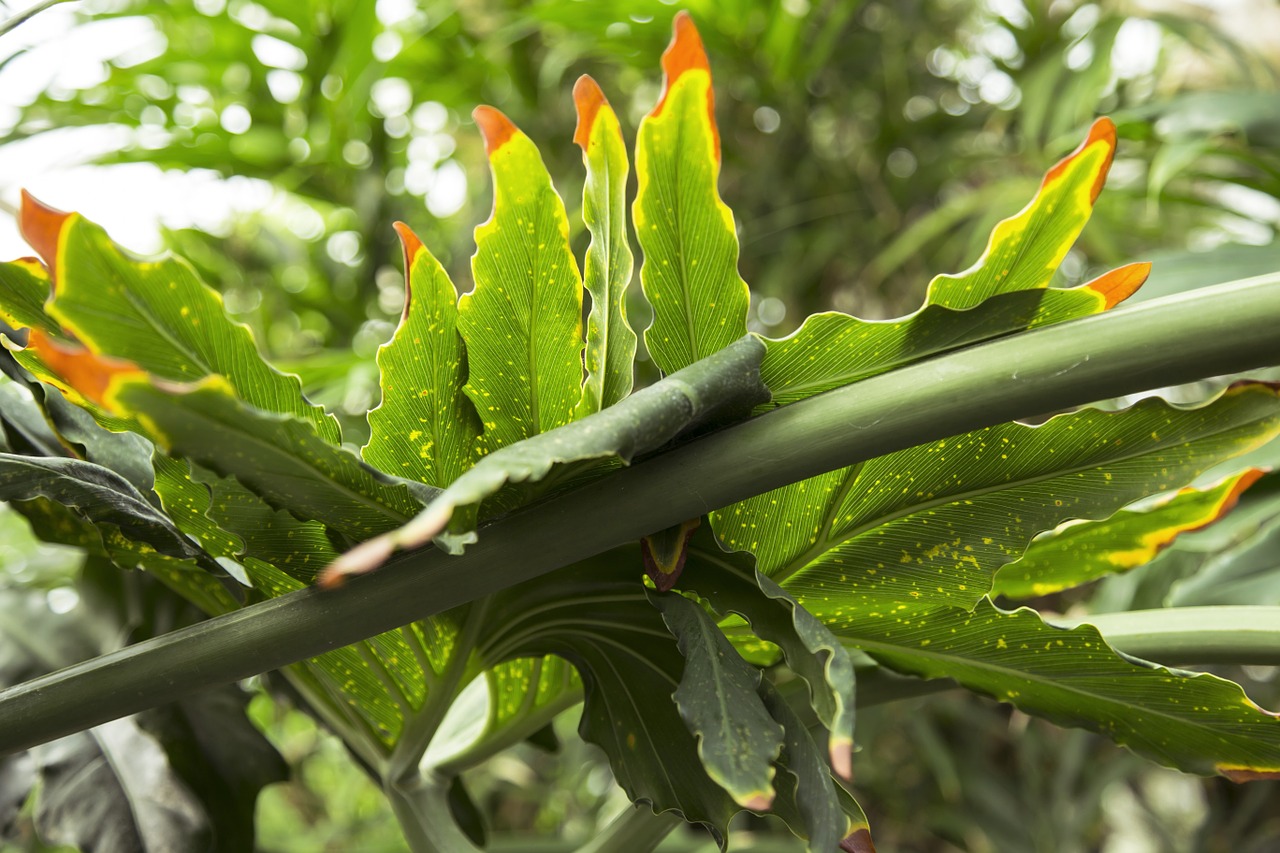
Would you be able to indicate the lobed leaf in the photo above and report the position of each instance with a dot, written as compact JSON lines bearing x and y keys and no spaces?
{"x":1078,"y":553}
{"x":425,"y":428}
{"x":1194,"y":722}
{"x":738,"y":740}
{"x":523,"y":321}
{"x":930,"y":525}
{"x":156,"y":314}
{"x":611,"y":344}
{"x":690,"y":270}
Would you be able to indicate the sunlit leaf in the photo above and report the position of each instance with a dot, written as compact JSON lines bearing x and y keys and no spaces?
{"x":24,"y":287}
{"x":1079,"y":553}
{"x":425,"y":429}
{"x":523,"y":321}
{"x":611,"y":344}
{"x":690,"y":271}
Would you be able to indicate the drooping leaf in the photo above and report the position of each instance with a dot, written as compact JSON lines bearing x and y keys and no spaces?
{"x":807,"y":797}
{"x":523,"y":321}
{"x":278,"y":457}
{"x":722,"y":388}
{"x":731,"y":585}
{"x":156,"y":314}
{"x":100,"y":497}
{"x":425,"y":428}
{"x":930,"y":525}
{"x":738,"y":740}
{"x":1006,"y":290}
{"x":25,"y":430}
{"x":690,"y":271}
{"x":1079,"y":553}
{"x":611,"y":344}
{"x":1195,"y":722}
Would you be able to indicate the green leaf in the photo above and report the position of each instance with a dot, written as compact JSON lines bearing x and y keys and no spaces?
{"x":100,"y":497}
{"x":833,"y":349}
{"x":738,"y":740}
{"x":1078,"y":553}
{"x":155,"y":314}
{"x":807,"y":798}
{"x":1006,"y":290}
{"x":690,"y":271}
{"x":722,"y":388}
{"x":611,"y":344}
{"x":731,"y":585}
{"x":278,"y":457}
{"x":426,"y":428}
{"x":1245,"y":572}
{"x":1194,"y":722}
{"x":930,"y":526}
{"x":523,"y":321}
{"x":24,"y":287}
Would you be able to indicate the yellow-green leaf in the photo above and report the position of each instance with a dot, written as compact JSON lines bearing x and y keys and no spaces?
{"x":690,"y":271}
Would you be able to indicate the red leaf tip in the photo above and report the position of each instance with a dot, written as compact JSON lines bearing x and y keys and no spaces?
{"x":41,"y":225}
{"x":858,"y":841}
{"x":1103,"y":130}
{"x":587,"y":99}
{"x":495,"y":127}
{"x":1244,"y":774}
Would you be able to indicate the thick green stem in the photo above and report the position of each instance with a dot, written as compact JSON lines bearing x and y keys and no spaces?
{"x":422,"y":809}
{"x":1193,"y":635}
{"x":1205,"y":333}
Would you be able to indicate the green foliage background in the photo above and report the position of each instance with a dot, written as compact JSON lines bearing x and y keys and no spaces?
{"x":867,"y":146}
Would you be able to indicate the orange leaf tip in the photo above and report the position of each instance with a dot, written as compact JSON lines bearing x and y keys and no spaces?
{"x":1103,"y":131}
{"x":83,"y":371}
{"x":41,"y":225}
{"x":1119,"y":284}
{"x":587,"y":99}
{"x":684,"y":54}
{"x":495,"y":127}
{"x":412,"y":246}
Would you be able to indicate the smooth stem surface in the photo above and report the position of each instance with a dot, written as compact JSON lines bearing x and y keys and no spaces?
{"x":422,"y":810}
{"x":1209,"y":332}
{"x":636,"y":830}
{"x":1193,"y":635}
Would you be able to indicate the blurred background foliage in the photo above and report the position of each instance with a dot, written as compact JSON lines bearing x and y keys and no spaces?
{"x":867,"y":147}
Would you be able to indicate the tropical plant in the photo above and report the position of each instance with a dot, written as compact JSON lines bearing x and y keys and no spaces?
{"x":828,"y":509}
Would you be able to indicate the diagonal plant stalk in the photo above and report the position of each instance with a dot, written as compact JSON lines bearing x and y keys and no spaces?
{"x":1242,"y":634}
{"x":18,"y":18}
{"x":1214,"y":331}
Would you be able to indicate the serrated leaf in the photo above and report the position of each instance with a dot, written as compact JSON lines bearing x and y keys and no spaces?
{"x":425,"y":429}
{"x":156,"y":314}
{"x":523,"y":321}
{"x":1082,"y":552}
{"x":930,"y":525}
{"x":731,"y":585}
{"x":278,"y":457}
{"x":738,"y":740}
{"x":1195,"y":722}
{"x":690,"y":271}
{"x":611,"y":344}
{"x":833,"y":349}
{"x":722,"y":388}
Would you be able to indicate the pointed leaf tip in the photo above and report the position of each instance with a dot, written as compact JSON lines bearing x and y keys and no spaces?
{"x":494,"y":126}
{"x":858,"y":841}
{"x":587,"y":99}
{"x":41,"y":225}
{"x":412,"y":246}
{"x":1119,"y":284}
{"x":684,"y":54}
{"x":1102,"y":131}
